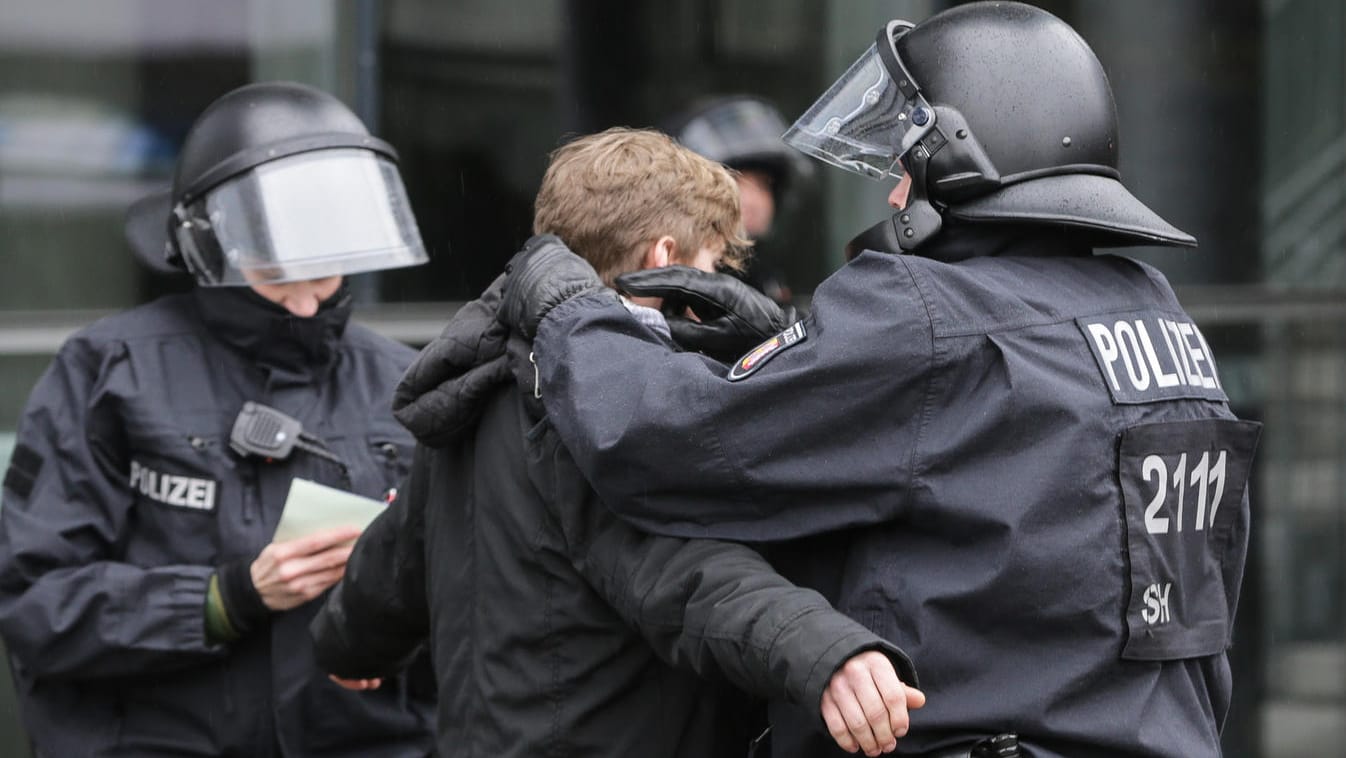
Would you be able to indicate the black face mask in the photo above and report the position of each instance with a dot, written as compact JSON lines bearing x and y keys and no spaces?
{"x":292,"y":349}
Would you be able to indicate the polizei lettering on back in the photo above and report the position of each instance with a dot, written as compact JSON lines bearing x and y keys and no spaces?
{"x":171,"y":489}
{"x":1145,"y":357}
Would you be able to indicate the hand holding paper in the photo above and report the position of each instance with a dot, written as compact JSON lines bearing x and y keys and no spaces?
{"x":317,"y":529}
{"x":290,"y":573}
{"x":312,"y":507}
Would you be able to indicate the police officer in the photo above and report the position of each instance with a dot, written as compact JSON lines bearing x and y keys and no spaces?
{"x":144,"y":604}
{"x":744,"y":133}
{"x":1008,"y":455}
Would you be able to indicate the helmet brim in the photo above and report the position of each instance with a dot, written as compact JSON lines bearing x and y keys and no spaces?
{"x":308,"y":215}
{"x":1099,"y":205}
{"x":146,"y":230}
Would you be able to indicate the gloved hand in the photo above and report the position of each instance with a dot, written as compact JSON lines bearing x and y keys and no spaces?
{"x":540,"y":277}
{"x":734,"y":317}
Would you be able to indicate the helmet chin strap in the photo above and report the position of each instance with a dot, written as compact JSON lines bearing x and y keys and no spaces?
{"x":881,"y":237}
{"x":910,"y":227}
{"x":920,"y":219}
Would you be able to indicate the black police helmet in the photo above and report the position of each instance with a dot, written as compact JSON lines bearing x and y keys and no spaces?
{"x":263,"y":122}
{"x":1002,"y":114}
{"x":742,"y":132}
{"x":275,"y":182}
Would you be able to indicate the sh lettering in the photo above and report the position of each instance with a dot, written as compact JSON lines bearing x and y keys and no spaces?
{"x":1156,"y":603}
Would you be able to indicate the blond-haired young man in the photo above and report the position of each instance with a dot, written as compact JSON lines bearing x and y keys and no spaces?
{"x":552,"y":624}
{"x":632,"y":199}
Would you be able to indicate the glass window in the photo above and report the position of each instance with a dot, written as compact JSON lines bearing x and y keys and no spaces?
{"x":94,"y":102}
{"x":1233,"y":125}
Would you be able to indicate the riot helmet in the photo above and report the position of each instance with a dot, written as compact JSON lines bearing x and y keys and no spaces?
{"x":1000,"y":112}
{"x":744,"y":133}
{"x":280,"y":182}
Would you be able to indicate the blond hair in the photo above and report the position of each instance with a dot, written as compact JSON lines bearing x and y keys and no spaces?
{"x":610,"y":195}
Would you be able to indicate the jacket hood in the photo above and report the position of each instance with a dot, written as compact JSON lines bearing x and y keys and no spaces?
{"x":445,"y":390}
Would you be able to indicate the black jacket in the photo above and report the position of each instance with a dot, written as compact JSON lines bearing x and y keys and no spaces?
{"x":989,"y":455}
{"x":123,"y":496}
{"x":551,"y":622}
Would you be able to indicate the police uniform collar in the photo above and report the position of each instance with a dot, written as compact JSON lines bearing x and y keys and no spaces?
{"x":291,"y":349}
{"x":960,"y":241}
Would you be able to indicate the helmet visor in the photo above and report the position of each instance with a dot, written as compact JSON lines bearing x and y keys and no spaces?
{"x":865,"y":122}
{"x":307,"y":216}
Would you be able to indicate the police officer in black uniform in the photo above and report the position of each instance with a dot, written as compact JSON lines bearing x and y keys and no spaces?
{"x":1008,"y":455}
{"x":144,"y":604}
{"x":744,"y":133}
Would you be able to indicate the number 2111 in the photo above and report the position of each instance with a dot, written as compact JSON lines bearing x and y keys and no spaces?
{"x":1204,"y":478}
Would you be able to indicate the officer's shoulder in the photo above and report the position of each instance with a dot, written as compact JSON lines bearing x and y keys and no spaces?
{"x":165,"y":317}
{"x":1134,"y":266}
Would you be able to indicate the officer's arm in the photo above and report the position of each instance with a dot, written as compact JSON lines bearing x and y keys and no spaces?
{"x":717,"y":608}
{"x":818,"y":435}
{"x":376,"y":618}
{"x":66,"y":607}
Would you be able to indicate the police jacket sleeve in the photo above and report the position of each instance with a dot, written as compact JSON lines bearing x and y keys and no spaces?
{"x":68,"y":606}
{"x":376,"y":618}
{"x":716,"y":608}
{"x":814,"y":431}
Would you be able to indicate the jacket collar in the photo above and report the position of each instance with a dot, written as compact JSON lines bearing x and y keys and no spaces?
{"x":961,"y":241}
{"x":292,"y":350}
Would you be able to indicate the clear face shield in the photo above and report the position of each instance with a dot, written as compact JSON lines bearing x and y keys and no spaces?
{"x":306,"y":216}
{"x":867,"y":121}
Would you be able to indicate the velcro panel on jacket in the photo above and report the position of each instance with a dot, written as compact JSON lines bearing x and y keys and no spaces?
{"x":24,"y":466}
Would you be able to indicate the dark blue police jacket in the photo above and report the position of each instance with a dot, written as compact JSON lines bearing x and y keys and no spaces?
{"x":123,"y":496}
{"x":1021,"y":468}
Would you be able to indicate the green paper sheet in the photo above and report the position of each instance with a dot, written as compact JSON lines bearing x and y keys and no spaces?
{"x":311,"y":507}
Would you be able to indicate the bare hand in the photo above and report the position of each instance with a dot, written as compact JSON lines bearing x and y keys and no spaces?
{"x":289,"y":574}
{"x":865,"y":705}
{"x":356,"y":684}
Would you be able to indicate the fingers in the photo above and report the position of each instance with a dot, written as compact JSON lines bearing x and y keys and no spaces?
{"x":836,"y":724}
{"x":314,"y":543}
{"x":315,"y":584}
{"x":286,"y":584}
{"x":866,"y":705}
{"x":858,"y":723}
{"x":295,"y":569}
{"x":298,"y":592}
{"x":356,"y":684}
{"x":700,"y":290}
{"x":661,"y":282}
{"x":862,"y":709}
{"x":687,"y":332}
{"x":892,"y":695}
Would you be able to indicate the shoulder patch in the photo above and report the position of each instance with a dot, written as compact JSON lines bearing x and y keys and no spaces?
{"x":24,"y":466}
{"x":1183,"y":485}
{"x":764,"y":352}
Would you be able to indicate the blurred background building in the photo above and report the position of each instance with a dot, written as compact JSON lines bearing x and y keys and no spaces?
{"x":1233,"y":126}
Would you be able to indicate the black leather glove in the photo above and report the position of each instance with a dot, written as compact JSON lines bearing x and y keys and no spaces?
{"x":734,"y":317}
{"x":540,"y":277}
